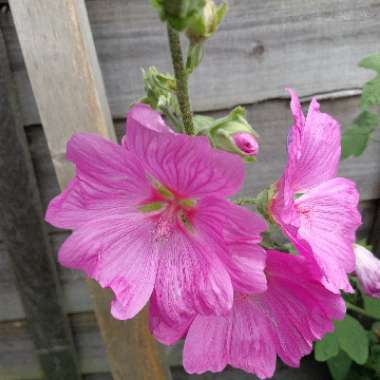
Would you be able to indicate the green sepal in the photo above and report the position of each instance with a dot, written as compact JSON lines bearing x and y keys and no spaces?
{"x":264,"y":201}
{"x":194,"y":57}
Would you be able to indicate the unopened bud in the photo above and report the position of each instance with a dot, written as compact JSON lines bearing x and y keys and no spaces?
{"x":247,"y":143}
{"x":205,"y":24}
{"x":234,"y":134}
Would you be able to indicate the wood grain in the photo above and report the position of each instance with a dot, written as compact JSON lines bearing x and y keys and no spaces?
{"x":60,"y":56}
{"x":261,"y":48}
{"x":26,"y":241}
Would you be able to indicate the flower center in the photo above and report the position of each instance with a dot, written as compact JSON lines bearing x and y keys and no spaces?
{"x":169,"y":211}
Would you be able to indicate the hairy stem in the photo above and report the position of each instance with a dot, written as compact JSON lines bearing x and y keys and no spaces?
{"x":181,"y":79}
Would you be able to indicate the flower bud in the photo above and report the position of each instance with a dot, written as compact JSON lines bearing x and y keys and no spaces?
{"x":246,"y":143}
{"x":205,"y":24}
{"x":367,"y":271}
{"x":178,"y":13}
{"x":233,"y":134}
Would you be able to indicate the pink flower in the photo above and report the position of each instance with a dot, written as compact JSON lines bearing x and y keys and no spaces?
{"x":315,"y":209}
{"x":368,"y":271}
{"x":151,"y":214}
{"x":247,"y":143}
{"x":285,"y":320}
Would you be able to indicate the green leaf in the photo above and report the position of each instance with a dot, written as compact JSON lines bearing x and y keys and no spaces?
{"x":371,"y":90}
{"x":339,"y":366}
{"x":326,"y":348}
{"x":353,"y":339}
{"x":355,"y":139}
{"x":372,"y":306}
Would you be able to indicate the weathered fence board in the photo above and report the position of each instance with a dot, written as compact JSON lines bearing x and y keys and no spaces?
{"x":60,"y":56}
{"x":262,"y":47}
{"x":26,"y":241}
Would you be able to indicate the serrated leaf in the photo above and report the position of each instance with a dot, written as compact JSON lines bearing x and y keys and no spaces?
{"x":326,"y":348}
{"x":339,"y":366}
{"x":352,"y":339}
{"x":372,"y":306}
{"x":371,"y":90}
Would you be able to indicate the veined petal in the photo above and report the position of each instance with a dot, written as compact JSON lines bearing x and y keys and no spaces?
{"x":107,"y":177}
{"x":207,"y":344}
{"x":187,"y":165}
{"x":167,"y":333}
{"x":191,"y":278}
{"x":240,"y":229}
{"x":118,"y":252}
{"x":106,"y":168}
{"x":295,"y":311}
{"x":313,"y":148}
{"x":143,"y":116}
{"x":329,"y":218}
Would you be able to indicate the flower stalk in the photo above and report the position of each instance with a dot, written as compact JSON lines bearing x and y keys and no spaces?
{"x":181,"y":79}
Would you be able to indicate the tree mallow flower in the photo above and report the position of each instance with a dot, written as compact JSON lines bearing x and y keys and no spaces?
{"x":368,"y":271}
{"x":315,"y":209}
{"x":295,"y":310}
{"x":151,"y":214}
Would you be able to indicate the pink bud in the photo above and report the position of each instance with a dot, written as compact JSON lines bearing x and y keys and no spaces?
{"x":368,"y":271}
{"x":247,"y":143}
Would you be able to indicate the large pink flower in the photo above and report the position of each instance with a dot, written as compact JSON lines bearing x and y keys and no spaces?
{"x":151,"y":214}
{"x":317,"y":210}
{"x":295,"y":310}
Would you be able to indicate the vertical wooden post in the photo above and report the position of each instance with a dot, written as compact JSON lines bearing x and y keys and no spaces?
{"x":26,"y":240}
{"x":60,"y":57}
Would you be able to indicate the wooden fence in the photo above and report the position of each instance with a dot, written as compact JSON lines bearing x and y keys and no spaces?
{"x":51,"y":85}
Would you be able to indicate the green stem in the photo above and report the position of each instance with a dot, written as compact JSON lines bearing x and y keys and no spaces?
{"x":359,"y":310}
{"x":245,"y":201}
{"x":181,"y":79}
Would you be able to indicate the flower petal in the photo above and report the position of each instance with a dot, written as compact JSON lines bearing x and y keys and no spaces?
{"x":107,"y":178}
{"x":295,"y":311}
{"x":241,"y":230}
{"x":107,"y":168}
{"x":191,"y":278}
{"x":118,"y":252}
{"x":143,"y":116}
{"x":207,"y":344}
{"x":313,"y":147}
{"x":166,"y":333}
{"x":187,"y":165}
{"x":329,"y":218}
